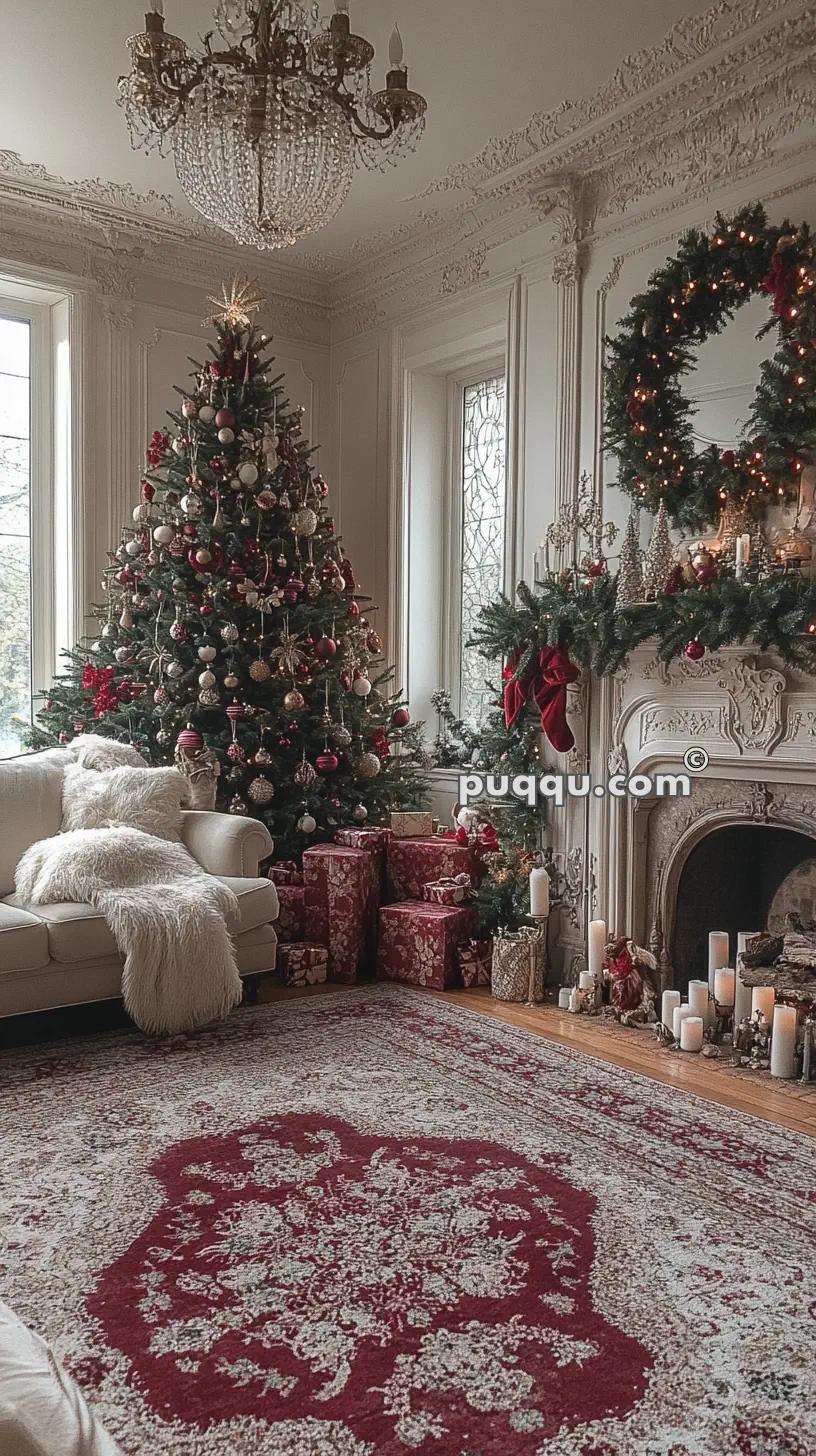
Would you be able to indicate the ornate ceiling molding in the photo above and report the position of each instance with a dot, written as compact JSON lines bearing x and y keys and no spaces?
{"x":729,"y":95}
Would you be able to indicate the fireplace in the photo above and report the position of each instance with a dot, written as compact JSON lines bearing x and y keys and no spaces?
{"x":739,"y":877}
{"x":667,"y":870}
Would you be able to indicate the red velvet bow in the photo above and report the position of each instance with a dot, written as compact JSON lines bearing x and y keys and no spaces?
{"x":546,"y":682}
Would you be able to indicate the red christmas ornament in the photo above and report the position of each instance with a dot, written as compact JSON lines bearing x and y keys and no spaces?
{"x":729,"y":459}
{"x":190,"y":739}
{"x":205,"y":609}
{"x":284,"y":742}
{"x":400,"y":718}
{"x":675,"y":583}
{"x":354,"y":610}
{"x":695,"y":650}
{"x":345,"y":678}
{"x":236,"y":711}
{"x":148,"y":490}
{"x":326,"y":649}
{"x":236,"y":753}
{"x":596,"y":568}
{"x":327,"y":762}
{"x":706,"y":575}
{"x":225,"y":419}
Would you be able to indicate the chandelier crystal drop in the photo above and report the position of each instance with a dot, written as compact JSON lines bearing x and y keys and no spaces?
{"x":267,"y":131}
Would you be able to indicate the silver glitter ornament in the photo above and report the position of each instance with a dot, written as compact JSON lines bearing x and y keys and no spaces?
{"x":368,"y":766}
{"x":305,"y":774}
{"x":261,"y":790}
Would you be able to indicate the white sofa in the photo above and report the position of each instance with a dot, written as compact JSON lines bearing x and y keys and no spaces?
{"x":63,"y":955}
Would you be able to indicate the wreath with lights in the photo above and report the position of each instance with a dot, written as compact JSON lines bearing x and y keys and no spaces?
{"x":649,"y":420}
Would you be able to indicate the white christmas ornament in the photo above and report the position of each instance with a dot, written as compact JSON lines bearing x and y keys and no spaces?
{"x":360,"y":813}
{"x":226,"y":436}
{"x":361,"y":686}
{"x":307,"y":824}
{"x":191,"y":505}
{"x":179,"y":446}
{"x":142,"y":513}
{"x":134,"y":548}
{"x":163,"y":535}
{"x":248,"y":473}
{"x":207,"y":653}
{"x":175,"y":668}
{"x":206,"y":414}
{"x":122,"y":654}
{"x":206,"y":679}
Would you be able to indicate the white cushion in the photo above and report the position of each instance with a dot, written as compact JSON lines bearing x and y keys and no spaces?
{"x":149,"y":799}
{"x":256,"y":905}
{"x":30,"y":805}
{"x":42,"y":1411}
{"x":23,"y":940}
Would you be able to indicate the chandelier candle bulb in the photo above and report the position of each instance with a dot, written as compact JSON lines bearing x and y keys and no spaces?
{"x":671,"y":1000}
{"x":396,"y":51}
{"x":724,"y":986}
{"x":678,"y":1017}
{"x":718,"y":954}
{"x":539,"y":892}
{"x":698,"y":999}
{"x":691,"y":1034}
{"x":763,"y":998}
{"x":783,"y":1042}
{"x":596,"y":947}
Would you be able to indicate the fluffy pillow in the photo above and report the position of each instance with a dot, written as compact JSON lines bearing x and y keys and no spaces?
{"x":149,"y":799}
{"x":75,"y":865}
{"x":94,"y":751}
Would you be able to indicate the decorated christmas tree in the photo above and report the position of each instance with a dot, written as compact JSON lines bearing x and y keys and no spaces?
{"x":232,"y":637}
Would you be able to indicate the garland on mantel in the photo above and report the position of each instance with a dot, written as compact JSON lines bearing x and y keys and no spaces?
{"x":777,"y":615}
{"x":649,"y":420}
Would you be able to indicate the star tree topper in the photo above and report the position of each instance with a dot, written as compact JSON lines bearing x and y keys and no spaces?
{"x":239,"y":300}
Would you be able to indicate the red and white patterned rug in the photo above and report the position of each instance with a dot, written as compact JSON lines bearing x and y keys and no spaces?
{"x":373,"y":1222}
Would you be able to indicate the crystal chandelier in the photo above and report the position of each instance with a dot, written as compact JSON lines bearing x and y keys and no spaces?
{"x":266,"y":127}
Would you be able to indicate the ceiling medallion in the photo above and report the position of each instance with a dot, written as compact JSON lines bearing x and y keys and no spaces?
{"x":267,"y":128}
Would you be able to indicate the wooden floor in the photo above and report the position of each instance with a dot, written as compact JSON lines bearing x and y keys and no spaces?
{"x":789,"y":1105}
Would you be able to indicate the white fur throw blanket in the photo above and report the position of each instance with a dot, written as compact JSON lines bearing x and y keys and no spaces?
{"x":167,"y":916}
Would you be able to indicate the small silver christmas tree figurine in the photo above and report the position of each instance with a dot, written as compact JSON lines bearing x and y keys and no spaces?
{"x":659,"y":557}
{"x":630,"y":567}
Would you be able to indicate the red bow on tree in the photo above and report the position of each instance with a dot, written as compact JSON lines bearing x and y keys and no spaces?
{"x":545,"y":681}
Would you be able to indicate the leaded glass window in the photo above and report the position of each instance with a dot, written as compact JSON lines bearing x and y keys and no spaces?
{"x":483,"y":517}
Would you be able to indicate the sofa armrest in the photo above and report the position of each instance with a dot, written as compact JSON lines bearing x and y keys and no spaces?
{"x":225,"y":845}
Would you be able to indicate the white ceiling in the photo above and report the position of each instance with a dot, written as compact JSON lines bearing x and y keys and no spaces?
{"x":485,"y":69}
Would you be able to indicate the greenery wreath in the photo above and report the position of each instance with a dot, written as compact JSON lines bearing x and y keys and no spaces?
{"x":648,"y":417}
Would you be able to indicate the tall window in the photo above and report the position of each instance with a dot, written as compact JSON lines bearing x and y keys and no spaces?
{"x":483,"y":517}
{"x":15,"y":531}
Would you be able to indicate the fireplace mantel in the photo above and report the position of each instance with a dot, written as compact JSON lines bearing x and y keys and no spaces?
{"x":756,"y":719}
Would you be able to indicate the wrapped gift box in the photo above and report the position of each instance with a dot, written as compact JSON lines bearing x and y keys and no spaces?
{"x":285,"y":872}
{"x":474,"y":958}
{"x":289,"y":924}
{"x":302,"y":964}
{"x":411,"y":825}
{"x":417,"y":943}
{"x":374,"y":839}
{"x":448,"y":891}
{"x":415,"y":863}
{"x":341,"y":899}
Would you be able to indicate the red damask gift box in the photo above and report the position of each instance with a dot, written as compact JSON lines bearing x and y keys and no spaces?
{"x":448,"y":891}
{"x":415,"y":863}
{"x":341,"y":898}
{"x":372,"y":839}
{"x":285,"y":872}
{"x":289,"y":924}
{"x":302,"y":964}
{"x":418,"y":943}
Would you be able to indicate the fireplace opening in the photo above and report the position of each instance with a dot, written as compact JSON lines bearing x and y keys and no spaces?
{"x":735,"y":879}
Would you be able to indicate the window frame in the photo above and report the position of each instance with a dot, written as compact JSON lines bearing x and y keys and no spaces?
{"x":56,"y":319}
{"x":492,"y":366}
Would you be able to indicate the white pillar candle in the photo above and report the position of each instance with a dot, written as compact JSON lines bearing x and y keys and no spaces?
{"x":783,"y":1042}
{"x":763,"y":998}
{"x":718,"y":954}
{"x":679,"y":1015}
{"x":539,"y":891}
{"x":698,"y":999}
{"x":586,"y":981}
{"x":691,"y":1034}
{"x":724,"y":986}
{"x":564,"y":998}
{"x":573,"y":1001}
{"x":597,"y":946}
{"x":671,"y":999}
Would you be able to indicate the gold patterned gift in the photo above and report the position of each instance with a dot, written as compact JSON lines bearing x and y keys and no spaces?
{"x":412,"y":825}
{"x":519,"y":965}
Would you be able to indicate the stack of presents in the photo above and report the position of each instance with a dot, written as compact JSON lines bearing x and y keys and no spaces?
{"x":391,"y":902}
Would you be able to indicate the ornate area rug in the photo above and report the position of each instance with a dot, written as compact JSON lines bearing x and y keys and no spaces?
{"x":371,"y":1222}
